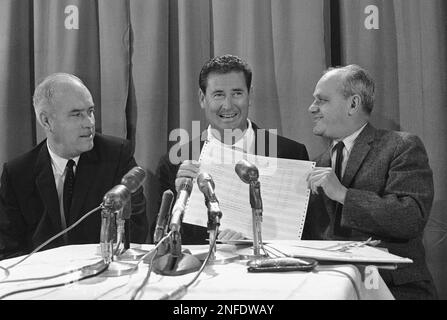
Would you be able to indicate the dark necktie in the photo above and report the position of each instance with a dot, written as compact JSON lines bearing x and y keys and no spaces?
{"x":68,"y":189}
{"x":338,"y":229}
{"x":339,"y":159}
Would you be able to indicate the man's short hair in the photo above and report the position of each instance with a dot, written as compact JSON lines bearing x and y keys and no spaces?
{"x":45,"y":90}
{"x":224,"y":64}
{"x":357,"y":80}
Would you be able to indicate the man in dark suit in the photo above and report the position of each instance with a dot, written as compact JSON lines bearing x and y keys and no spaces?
{"x":49,"y":188}
{"x":224,"y":95}
{"x":370,"y":182}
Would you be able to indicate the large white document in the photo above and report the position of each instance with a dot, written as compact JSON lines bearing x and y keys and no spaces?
{"x":284,"y":193}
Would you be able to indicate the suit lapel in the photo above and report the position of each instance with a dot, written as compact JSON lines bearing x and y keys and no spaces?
{"x":264,"y":135}
{"x":47,"y":187}
{"x":358,"y":153}
{"x":86,"y":173}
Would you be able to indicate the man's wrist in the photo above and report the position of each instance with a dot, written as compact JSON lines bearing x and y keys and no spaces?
{"x":342,"y":195}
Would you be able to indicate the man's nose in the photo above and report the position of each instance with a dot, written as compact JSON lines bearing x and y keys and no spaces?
{"x":89,"y":121}
{"x":313,"y":108}
{"x":226,"y":104}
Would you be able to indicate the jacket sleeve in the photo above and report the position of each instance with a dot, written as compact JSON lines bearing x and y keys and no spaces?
{"x":401,"y":210}
{"x":12,"y":226}
{"x":303,"y":155}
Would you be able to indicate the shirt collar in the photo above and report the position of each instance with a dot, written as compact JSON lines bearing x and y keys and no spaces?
{"x":349,"y":140}
{"x":58,"y":162}
{"x":245,"y":143}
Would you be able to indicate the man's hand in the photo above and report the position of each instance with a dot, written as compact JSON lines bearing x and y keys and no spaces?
{"x":188,"y":169}
{"x":328,"y":181}
{"x":228,"y":234}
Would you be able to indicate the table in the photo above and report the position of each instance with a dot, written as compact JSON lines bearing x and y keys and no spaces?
{"x":229,"y":281}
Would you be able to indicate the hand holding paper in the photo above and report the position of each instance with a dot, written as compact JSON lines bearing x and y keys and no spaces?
{"x":328,"y":181}
{"x":284,"y":194}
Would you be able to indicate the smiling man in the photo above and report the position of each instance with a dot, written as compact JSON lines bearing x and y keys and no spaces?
{"x":49,"y":188}
{"x":369,"y":182}
{"x":224,"y":95}
{"x":225,"y":98}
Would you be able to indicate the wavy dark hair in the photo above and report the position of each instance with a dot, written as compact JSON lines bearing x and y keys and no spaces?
{"x":224,"y":64}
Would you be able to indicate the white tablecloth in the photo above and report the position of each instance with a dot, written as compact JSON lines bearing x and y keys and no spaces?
{"x":217,"y":282}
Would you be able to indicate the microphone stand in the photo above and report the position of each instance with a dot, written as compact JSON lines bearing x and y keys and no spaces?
{"x":128,"y":253}
{"x":256,"y":209}
{"x":216,"y":257}
{"x":109,"y":232}
{"x":213,"y":229}
{"x":249,"y":174}
{"x":176,"y":262}
{"x":163,"y":248}
{"x":114,"y":209}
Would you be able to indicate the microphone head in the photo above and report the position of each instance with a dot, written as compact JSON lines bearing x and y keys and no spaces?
{"x":202,"y":181}
{"x":184,"y":184}
{"x":166,"y":202}
{"x":247,"y":171}
{"x":116,"y":198}
{"x":134,"y":179}
{"x":163,"y":215}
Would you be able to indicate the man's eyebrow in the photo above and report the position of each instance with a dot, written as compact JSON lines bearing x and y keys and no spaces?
{"x":319,"y":96}
{"x":80,"y":110}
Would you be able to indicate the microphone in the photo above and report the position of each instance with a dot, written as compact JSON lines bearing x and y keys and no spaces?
{"x":247,"y":171}
{"x":206,"y":186}
{"x":117,"y":200}
{"x":119,"y":195}
{"x":163,"y":214}
{"x":183,"y":193}
{"x":134,"y":179}
{"x":249,"y":174}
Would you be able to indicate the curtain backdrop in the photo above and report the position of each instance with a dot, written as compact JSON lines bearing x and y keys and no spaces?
{"x":141,"y":60}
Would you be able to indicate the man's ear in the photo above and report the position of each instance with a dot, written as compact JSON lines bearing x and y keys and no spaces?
{"x":356,"y":104}
{"x":45,"y":121}
{"x":201,"y":98}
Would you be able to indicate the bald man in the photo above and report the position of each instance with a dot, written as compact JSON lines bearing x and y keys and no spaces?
{"x":370,"y":182}
{"x":36,"y":200}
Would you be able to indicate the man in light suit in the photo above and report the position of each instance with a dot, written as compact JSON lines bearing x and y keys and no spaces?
{"x":376,"y":183}
{"x":224,"y":95}
{"x":32,"y":204}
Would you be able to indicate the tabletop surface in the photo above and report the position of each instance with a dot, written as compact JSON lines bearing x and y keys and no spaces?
{"x":227,"y":281}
